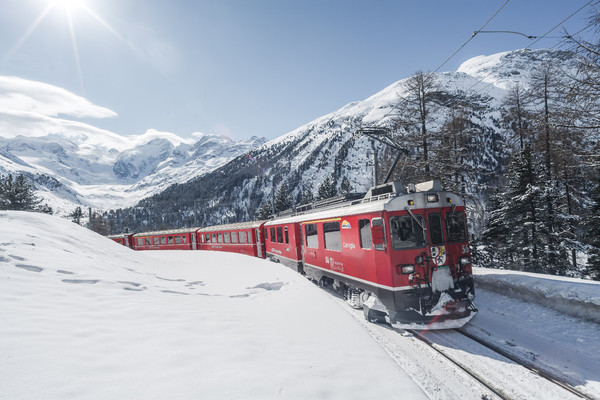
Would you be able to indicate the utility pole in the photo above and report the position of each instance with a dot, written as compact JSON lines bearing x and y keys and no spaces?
{"x":375,"y":167}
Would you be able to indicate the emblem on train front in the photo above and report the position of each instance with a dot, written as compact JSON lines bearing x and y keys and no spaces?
{"x":438,"y":254}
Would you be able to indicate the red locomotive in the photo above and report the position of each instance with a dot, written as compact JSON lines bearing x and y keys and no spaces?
{"x":399,"y":253}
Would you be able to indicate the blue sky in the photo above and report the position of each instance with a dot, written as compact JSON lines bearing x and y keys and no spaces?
{"x":252,"y":67}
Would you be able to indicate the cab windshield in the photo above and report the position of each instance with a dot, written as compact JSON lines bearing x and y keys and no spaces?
{"x":455,"y":226}
{"x":406,"y":232}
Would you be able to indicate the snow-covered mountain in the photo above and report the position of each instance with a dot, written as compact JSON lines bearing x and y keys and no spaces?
{"x":329,"y":146}
{"x":74,"y":163}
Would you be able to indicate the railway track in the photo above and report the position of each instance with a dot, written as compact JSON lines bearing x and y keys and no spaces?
{"x":436,"y":341}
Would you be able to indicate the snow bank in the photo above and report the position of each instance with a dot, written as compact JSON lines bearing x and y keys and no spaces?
{"x":576,"y":297}
{"x":82,"y":317}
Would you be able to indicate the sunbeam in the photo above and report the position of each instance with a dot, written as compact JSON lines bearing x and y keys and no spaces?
{"x":111,"y":29}
{"x":75,"y":49}
{"x":27,"y":33}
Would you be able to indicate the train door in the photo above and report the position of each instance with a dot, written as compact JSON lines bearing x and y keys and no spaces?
{"x":194,"y":246}
{"x":258,"y":246}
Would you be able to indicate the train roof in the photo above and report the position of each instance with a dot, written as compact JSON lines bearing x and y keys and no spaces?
{"x":392,"y":196}
{"x":167,"y":232}
{"x":231,"y":227}
{"x":120,"y":235}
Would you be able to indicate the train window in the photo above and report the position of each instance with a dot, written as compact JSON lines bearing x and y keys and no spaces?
{"x":366,"y":241}
{"x":455,"y":227}
{"x":279,"y":234}
{"x":207,"y":237}
{"x":177,"y":239}
{"x":169,"y":239}
{"x":214,"y":238}
{"x":406,"y":232}
{"x":378,"y":233}
{"x":155,"y":240}
{"x":272,"y":234}
{"x":332,"y":235}
{"x":219,"y":238}
{"x":183,"y":239}
{"x":312,"y":239}
{"x":140,"y":241}
{"x":435,"y":229}
{"x":287,"y":236}
{"x":234,"y":237}
{"x":226,"y":237}
{"x":148,"y":241}
{"x":242,"y":237}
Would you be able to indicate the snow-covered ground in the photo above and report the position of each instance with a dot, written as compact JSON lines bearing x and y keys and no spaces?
{"x":84,"y":318}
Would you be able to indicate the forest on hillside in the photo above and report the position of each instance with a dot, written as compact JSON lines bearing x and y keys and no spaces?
{"x":531,"y":182}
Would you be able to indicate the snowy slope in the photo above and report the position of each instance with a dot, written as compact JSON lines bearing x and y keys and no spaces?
{"x":83,"y":317}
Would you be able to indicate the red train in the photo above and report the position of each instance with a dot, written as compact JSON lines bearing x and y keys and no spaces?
{"x":399,"y":253}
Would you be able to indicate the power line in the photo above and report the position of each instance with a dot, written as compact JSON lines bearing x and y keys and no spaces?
{"x":537,"y":40}
{"x":560,"y":23}
{"x":471,"y":38}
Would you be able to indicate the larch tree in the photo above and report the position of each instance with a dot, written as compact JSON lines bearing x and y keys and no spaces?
{"x":418,"y":103}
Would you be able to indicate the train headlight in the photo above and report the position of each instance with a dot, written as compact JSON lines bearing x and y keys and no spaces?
{"x":464,"y":260}
{"x":432,"y":198}
{"x":406,"y":269}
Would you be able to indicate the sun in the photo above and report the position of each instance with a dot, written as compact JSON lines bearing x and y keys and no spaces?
{"x":67,"y":5}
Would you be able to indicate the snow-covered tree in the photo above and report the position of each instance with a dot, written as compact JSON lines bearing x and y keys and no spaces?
{"x":16,"y":193}
{"x":326,"y":189}
{"x":283,"y":198}
{"x":593,"y":222}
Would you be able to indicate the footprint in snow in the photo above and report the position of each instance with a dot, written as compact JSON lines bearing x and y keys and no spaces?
{"x":268,"y":286}
{"x":82,"y":281}
{"x":31,"y":268}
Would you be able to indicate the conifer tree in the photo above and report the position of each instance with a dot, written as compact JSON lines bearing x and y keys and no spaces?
{"x":593,"y":264}
{"x":16,"y":193}
{"x":495,"y":252}
{"x":345,"y":187}
{"x":326,"y":190}
{"x":265,"y":211}
{"x":524,"y":199}
{"x":76,"y":215}
{"x":283,"y":199}
{"x":417,"y":106}
{"x":307,"y":194}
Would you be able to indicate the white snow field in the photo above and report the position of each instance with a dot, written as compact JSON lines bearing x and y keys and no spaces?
{"x":82,"y":317}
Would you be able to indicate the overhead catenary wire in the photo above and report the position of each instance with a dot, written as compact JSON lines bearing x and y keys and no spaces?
{"x":534,"y":42}
{"x":471,"y":38}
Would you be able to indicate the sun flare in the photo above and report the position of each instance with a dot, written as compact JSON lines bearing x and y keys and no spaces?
{"x":67,"y":4}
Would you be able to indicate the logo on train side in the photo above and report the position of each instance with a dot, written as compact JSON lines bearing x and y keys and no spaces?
{"x":346,"y":225}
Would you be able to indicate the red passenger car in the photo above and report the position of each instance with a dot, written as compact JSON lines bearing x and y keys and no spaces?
{"x":283,"y":243}
{"x":243,"y":237}
{"x":126,"y":239}
{"x":177,"y":239}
